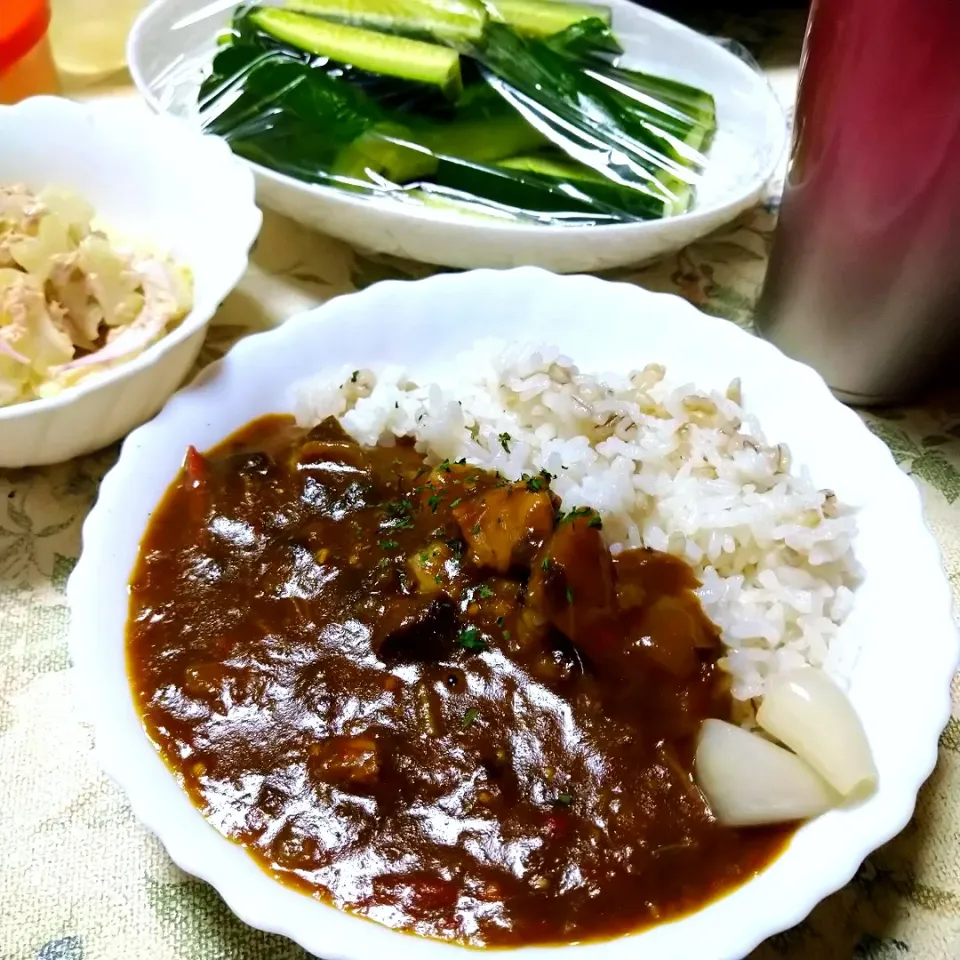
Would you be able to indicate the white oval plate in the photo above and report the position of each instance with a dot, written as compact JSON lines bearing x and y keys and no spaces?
{"x":902,"y":615}
{"x":164,"y":60}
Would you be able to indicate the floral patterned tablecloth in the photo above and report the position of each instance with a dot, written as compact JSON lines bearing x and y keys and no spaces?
{"x":80,"y":879}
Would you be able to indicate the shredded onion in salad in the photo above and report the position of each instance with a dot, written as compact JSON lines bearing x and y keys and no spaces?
{"x":72,"y":302}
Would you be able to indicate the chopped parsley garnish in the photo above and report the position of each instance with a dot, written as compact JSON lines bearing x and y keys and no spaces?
{"x":504,"y":439}
{"x":574,"y":514}
{"x":569,"y":595}
{"x":469,"y":717}
{"x":445,"y":466}
{"x":354,"y":375}
{"x":596,"y":522}
{"x":433,"y":501}
{"x":424,"y":557}
{"x":476,"y":529}
{"x":462,"y":462}
{"x":545,"y":563}
{"x":389,"y":544}
{"x":398,"y":511}
{"x":438,"y":578}
{"x":484,"y":592}
{"x":470,"y":639}
{"x":500,"y":621}
{"x":456,"y":546}
{"x":535,"y":484}
{"x":565,"y":799}
{"x":459,"y":500}
{"x":506,"y":634}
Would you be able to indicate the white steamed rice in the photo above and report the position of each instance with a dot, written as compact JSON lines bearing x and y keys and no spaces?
{"x":667,"y":467}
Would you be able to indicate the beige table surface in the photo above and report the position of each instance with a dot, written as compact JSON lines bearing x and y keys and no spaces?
{"x":79,"y":878}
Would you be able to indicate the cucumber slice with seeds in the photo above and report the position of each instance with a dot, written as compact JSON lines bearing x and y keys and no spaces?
{"x":365,"y":49}
{"x":543,"y":18}
{"x":453,"y":20}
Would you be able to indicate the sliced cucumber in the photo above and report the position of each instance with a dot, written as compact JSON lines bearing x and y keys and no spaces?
{"x":486,"y":140}
{"x":453,"y":20}
{"x":385,"y":151}
{"x":543,"y":18}
{"x":696,"y":106}
{"x":403,"y":156}
{"x":527,"y":190}
{"x":509,"y":188}
{"x":549,"y":166}
{"x":365,"y":49}
{"x":645,"y":204}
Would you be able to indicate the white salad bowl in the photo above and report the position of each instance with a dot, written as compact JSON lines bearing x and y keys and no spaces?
{"x":901,"y":624}
{"x":172,"y":39}
{"x":159,"y":183}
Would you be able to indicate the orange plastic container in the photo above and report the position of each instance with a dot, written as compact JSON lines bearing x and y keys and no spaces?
{"x":26,"y":64}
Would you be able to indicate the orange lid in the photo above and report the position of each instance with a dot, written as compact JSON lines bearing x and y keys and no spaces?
{"x":22,"y":26}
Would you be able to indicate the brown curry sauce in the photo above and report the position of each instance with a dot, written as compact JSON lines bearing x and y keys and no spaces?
{"x":419,"y":694}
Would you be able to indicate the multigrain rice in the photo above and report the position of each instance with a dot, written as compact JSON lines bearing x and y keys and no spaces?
{"x":667,"y":467}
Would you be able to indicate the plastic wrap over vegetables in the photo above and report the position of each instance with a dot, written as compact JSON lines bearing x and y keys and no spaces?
{"x":515,"y":109}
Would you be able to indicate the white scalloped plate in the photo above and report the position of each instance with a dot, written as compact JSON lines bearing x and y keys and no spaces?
{"x":902,"y":616}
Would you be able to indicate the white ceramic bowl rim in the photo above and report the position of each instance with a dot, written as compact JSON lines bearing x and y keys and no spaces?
{"x":900,"y":607}
{"x":150,"y":127}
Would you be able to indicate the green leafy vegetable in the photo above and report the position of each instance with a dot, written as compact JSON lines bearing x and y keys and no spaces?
{"x":470,"y":639}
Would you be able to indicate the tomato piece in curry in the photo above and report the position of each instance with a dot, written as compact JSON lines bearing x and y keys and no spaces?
{"x":426,"y":695}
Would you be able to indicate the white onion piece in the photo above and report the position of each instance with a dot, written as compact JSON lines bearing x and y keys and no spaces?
{"x":806,"y":711}
{"x":749,"y":781}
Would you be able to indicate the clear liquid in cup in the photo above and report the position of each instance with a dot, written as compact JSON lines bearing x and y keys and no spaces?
{"x":89,"y":37}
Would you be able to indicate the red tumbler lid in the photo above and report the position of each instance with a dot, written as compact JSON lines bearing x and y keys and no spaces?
{"x":23,"y":24}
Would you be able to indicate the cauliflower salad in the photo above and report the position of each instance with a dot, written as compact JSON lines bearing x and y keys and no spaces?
{"x":71,"y":302}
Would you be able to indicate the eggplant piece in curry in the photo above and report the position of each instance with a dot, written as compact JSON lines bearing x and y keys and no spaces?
{"x":425,"y":695}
